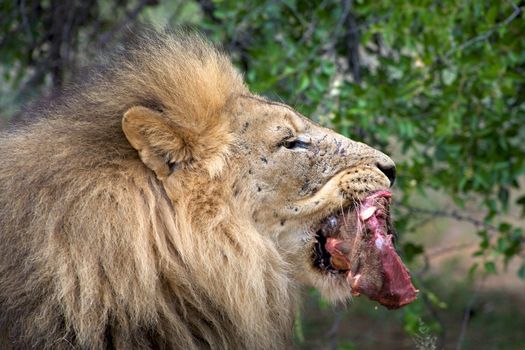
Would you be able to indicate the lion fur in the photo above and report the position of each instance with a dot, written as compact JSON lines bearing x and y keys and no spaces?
{"x":93,"y":252}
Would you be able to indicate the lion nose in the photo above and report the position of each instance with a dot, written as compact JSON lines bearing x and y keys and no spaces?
{"x":389,"y":169}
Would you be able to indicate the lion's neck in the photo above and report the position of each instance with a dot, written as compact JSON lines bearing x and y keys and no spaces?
{"x":229,"y":283}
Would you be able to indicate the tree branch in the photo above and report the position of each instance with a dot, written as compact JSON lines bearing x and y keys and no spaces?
{"x":352,"y":42}
{"x":208,"y":9}
{"x":451,"y":214}
{"x":332,"y":332}
{"x":466,"y":316}
{"x":518,"y":10}
{"x":130,"y":17}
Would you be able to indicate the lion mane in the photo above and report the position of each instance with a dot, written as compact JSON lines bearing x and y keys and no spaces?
{"x":95,"y":254}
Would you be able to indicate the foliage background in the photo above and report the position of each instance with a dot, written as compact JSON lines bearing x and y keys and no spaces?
{"x":439,"y":85}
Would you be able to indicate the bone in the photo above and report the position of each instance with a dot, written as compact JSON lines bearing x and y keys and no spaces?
{"x":339,"y":250}
{"x":379,"y":241}
{"x":367,"y":213}
{"x":354,"y":283}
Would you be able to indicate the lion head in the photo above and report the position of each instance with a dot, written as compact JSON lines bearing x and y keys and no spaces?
{"x":160,"y":203}
{"x":323,"y":199}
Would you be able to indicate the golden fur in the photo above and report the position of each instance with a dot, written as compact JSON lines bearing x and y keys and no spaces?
{"x":149,"y":207}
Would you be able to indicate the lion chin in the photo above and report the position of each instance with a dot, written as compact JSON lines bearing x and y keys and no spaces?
{"x":160,"y":204}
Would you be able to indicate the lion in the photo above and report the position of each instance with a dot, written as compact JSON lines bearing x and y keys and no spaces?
{"x":159,"y":204}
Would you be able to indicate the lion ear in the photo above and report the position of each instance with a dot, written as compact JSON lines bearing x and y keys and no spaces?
{"x":161,"y":145}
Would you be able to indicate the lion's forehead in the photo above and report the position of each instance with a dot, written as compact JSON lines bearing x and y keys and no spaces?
{"x":266,"y":115}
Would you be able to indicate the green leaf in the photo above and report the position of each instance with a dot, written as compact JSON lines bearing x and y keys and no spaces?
{"x":503,"y":195}
{"x":433,"y":298}
{"x":346,"y":346}
{"x":521,"y":201}
{"x":490,"y":267}
{"x":298,"y":327}
{"x":472,"y":271}
{"x":521,"y":271}
{"x":412,"y":250}
{"x":304,"y":83}
{"x":484,"y":244}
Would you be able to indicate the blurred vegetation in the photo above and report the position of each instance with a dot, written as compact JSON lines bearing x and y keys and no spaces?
{"x":439,"y":84}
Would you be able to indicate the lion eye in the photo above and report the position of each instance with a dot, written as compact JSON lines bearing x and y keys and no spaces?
{"x":299,"y":142}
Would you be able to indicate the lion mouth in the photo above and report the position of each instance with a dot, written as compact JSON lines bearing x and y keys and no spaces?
{"x":356,"y":245}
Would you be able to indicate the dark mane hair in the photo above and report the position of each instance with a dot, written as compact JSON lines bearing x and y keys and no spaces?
{"x":93,"y":254}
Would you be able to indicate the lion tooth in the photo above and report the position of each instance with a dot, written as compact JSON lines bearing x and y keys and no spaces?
{"x":367,"y":213}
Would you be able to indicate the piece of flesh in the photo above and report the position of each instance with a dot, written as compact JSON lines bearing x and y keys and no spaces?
{"x":361,"y":247}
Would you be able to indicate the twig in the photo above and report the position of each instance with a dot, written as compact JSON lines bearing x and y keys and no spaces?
{"x":330,"y":52}
{"x":451,"y":214}
{"x":25,"y":22}
{"x":514,"y":6}
{"x":517,"y":11}
{"x":332,"y":332}
{"x":130,"y":17}
{"x":450,"y":249}
{"x":352,"y":42}
{"x":208,"y":9}
{"x":314,"y":21}
{"x":466,"y":317}
{"x":434,"y":313}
